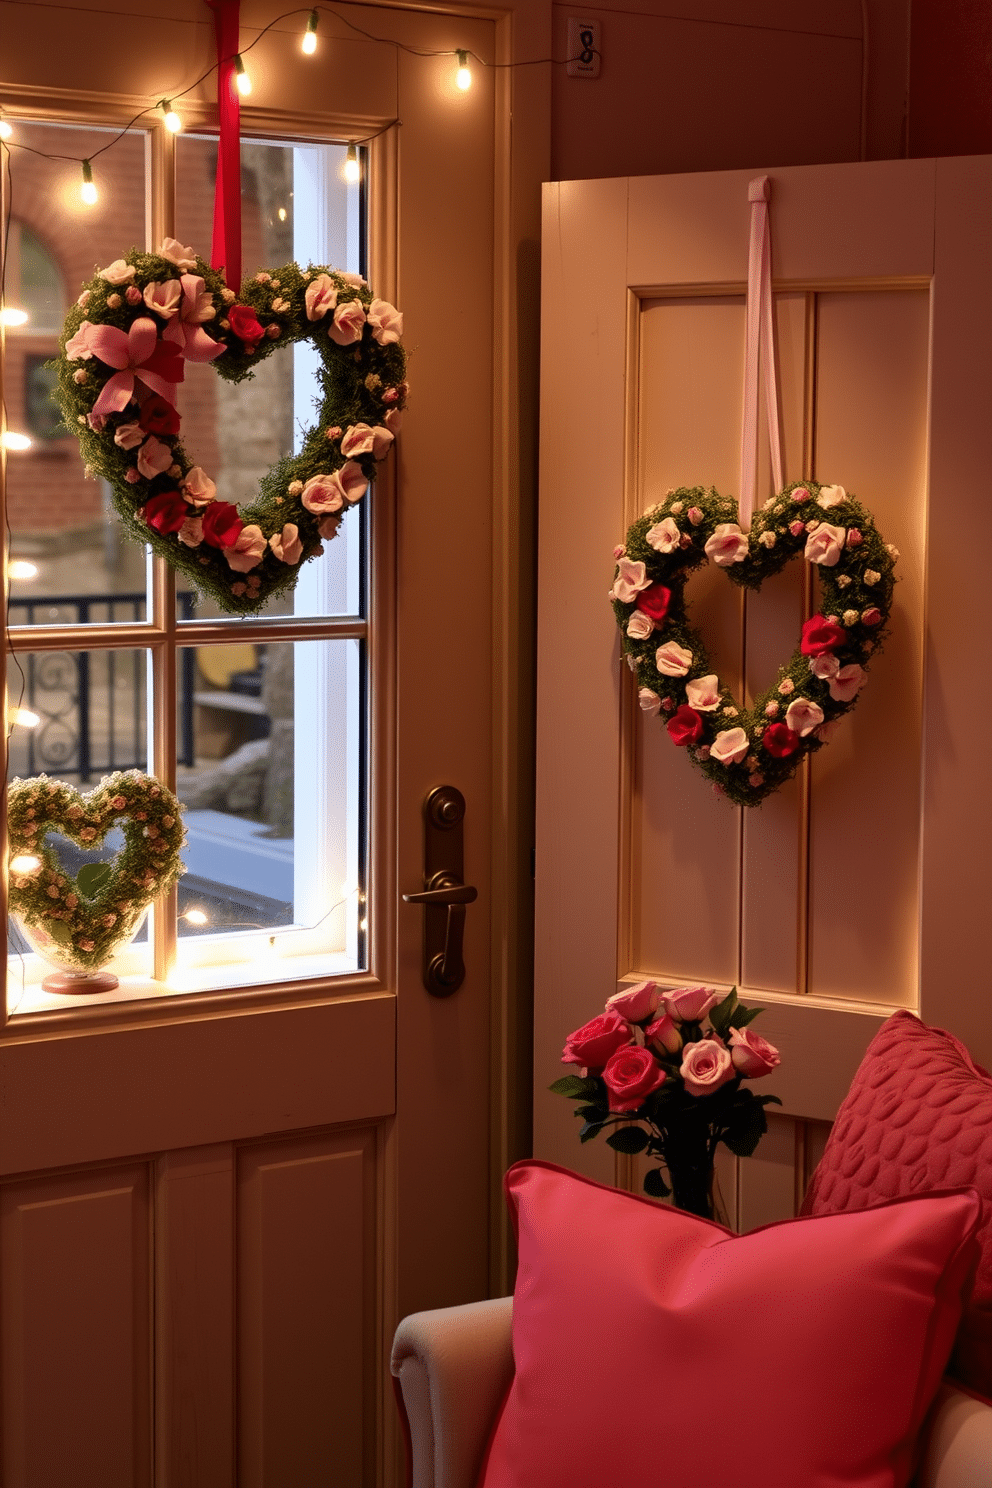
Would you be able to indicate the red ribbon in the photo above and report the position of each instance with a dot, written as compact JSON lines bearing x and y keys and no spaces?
{"x":225,"y":250}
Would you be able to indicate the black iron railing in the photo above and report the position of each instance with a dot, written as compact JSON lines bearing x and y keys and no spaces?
{"x":91,"y":704}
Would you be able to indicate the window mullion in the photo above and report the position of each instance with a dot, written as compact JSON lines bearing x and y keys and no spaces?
{"x":162,"y":708}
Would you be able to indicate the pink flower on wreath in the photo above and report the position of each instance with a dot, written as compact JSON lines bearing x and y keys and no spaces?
{"x":221,"y":524}
{"x":871,"y":616}
{"x":154,"y":457}
{"x":706,"y":1065}
{"x":328,"y":526}
{"x":630,"y":580}
{"x":672,"y":660}
{"x":186,"y":330}
{"x":361,"y":439}
{"x":173,"y":250}
{"x":664,"y":535}
{"x":703,"y":693}
{"x":190,"y":533}
{"x":349,"y":321}
{"x":727,"y":545}
{"x":639,"y":626}
{"x":752,"y":1055}
{"x":133,"y":294}
{"x":594,"y":1043}
{"x":286,"y":544}
{"x":321,"y":295}
{"x":128,"y":436}
{"x":138,"y":355}
{"x":803,"y":716}
{"x":199,"y":488}
{"x":648,"y":701}
{"x":327,"y":493}
{"x":163,"y":298}
{"x":630,"y":1075}
{"x":386,"y":322}
{"x":635,"y":1003}
{"x":247,"y":550}
{"x":825,"y":545}
{"x":730,"y":746}
{"x":119,"y":272}
{"x":847,"y":682}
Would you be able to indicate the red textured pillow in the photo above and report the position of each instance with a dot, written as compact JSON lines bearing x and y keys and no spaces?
{"x":655,"y":1348}
{"x":918,"y":1117}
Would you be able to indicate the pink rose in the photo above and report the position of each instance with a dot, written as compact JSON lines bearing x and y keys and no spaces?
{"x":824,"y":666}
{"x":128,"y":436}
{"x":752,"y":1055}
{"x":328,"y":526}
{"x":672,"y":660}
{"x":286,"y":544}
{"x":663,"y":1035}
{"x":360,"y":439}
{"x":77,"y":348}
{"x":648,"y":701}
{"x":96,"y":421}
{"x":821,"y":635}
{"x":802,"y":716}
{"x":119,"y":272}
{"x":321,"y":296}
{"x":630,"y":1076}
{"x":796,"y":528}
{"x":695,"y":515}
{"x":689,"y":1004}
{"x":664,"y":536}
{"x":200,"y":489}
{"x":393,"y":421}
{"x":639,"y":626}
{"x":871,"y":616}
{"x":386,"y":322}
{"x":630,"y":580}
{"x":173,"y":250}
{"x":324,"y":493}
{"x":727,"y":545}
{"x":191,"y":532}
{"x":133,"y":294}
{"x":704,"y":693}
{"x":163,"y":298}
{"x":685,"y":726}
{"x":800,"y":494}
{"x":247,"y":549}
{"x":635,"y":1003}
{"x":349,"y":319}
{"x":854,"y":537}
{"x":595,"y":1041}
{"x":706,"y":1065}
{"x":153,"y":457}
{"x":847,"y":682}
{"x":825,"y":545}
{"x":730,"y":746}
{"x":831,"y":496}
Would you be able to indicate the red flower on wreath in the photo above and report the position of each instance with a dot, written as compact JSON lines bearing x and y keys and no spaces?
{"x":221,"y":524}
{"x":821,"y":635}
{"x":244,"y":324}
{"x":654,"y":602}
{"x":157,"y":416}
{"x":780,"y":740}
{"x":685,"y":725}
{"x":166,"y":512}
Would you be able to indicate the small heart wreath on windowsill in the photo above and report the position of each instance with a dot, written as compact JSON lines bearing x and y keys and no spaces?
{"x":749,"y":752}
{"x":124,"y":346}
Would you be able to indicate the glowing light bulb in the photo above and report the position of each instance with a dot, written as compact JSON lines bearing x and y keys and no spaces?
{"x":21,"y":568}
{"x":195,"y":917}
{"x":352,"y":169}
{"x":24,"y":717}
{"x":172,"y":119}
{"x":12,"y":441}
{"x":25,"y":863}
{"x":281,"y":214}
{"x":11,"y":317}
{"x":87,"y":190}
{"x":309,"y":42}
{"x":463,"y":77}
{"x":241,"y":77}
{"x":5,"y":129}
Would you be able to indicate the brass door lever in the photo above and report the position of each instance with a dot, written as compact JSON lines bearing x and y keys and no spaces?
{"x":444,"y":896}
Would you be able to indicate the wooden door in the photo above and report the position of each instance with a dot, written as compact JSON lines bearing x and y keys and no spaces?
{"x":854,"y":890}
{"x":212,"y":1191}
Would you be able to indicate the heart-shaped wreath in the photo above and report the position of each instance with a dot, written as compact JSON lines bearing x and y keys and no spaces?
{"x":750,"y":752}
{"x":83,"y":919}
{"x":124,"y":345}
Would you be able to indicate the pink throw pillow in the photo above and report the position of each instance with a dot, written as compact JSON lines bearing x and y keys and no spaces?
{"x":918,"y":1117}
{"x":652,"y":1347}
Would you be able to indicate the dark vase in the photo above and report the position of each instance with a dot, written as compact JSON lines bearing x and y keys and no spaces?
{"x":690,"y":1171}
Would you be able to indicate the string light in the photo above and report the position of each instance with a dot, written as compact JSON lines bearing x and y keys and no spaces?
{"x":12,"y":441}
{"x":24,"y":717}
{"x":5,"y":129}
{"x":87,"y":190}
{"x":241,"y":77}
{"x":463,"y":77}
{"x":195,"y":917}
{"x":352,"y":169}
{"x":309,"y":42}
{"x":21,"y":568}
{"x":25,"y":863}
{"x":11,"y":317}
{"x":172,"y":119}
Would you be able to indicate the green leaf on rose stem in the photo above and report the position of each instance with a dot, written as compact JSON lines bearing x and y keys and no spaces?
{"x":749,"y":1127}
{"x":721,"y":1014}
{"x":629,"y":1139}
{"x":655,"y":1186}
{"x":60,"y":932}
{"x":590,"y":1129}
{"x":92,"y":877}
{"x":742,"y":1016}
{"x":573,"y":1086}
{"x":591,"y":1113}
{"x":768,"y":1100}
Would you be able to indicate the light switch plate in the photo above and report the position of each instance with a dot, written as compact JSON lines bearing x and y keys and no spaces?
{"x":583,"y":55}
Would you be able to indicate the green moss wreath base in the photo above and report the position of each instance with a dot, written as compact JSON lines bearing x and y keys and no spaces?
{"x":749,"y":752}
{"x":241,"y":559}
{"x":79,"y":922}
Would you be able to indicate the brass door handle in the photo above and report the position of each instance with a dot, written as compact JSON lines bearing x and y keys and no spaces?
{"x":444,"y":895}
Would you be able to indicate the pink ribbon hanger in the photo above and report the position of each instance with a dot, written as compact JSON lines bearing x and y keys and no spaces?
{"x":759,"y":353}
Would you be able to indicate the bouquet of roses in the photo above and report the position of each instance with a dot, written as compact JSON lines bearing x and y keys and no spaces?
{"x":666,"y":1069}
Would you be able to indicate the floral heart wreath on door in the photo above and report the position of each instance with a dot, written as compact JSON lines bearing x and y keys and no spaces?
{"x":749,"y":752}
{"x":124,"y":346}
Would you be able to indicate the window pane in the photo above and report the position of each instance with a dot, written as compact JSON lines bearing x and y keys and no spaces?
{"x":296,"y":207}
{"x":61,"y":523}
{"x":272,"y":781}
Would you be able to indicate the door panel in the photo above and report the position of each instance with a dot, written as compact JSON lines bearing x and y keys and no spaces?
{"x":814,"y":903}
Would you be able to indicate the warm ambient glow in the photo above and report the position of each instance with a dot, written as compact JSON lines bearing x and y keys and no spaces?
{"x":172,"y":119}
{"x":12,"y":441}
{"x":281,"y":214}
{"x":463,"y":77}
{"x":352,"y":169}
{"x":22,"y":568}
{"x":87,"y":190}
{"x":195,"y":917}
{"x":11,"y":317}
{"x":309,"y":42}
{"x":241,"y":77}
{"x":25,"y":863}
{"x":24,"y":717}
{"x":5,"y":129}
